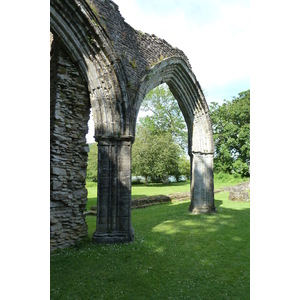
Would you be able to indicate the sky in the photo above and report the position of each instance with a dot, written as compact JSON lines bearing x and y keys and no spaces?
{"x":214,"y":34}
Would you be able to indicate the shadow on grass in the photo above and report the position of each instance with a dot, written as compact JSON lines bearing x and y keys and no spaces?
{"x":174,"y":221}
{"x":175,"y":255}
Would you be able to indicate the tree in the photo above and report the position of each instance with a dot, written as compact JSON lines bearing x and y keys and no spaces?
{"x":161,"y":138}
{"x":231,"y":129}
{"x":156,"y":157}
{"x":165,"y":116}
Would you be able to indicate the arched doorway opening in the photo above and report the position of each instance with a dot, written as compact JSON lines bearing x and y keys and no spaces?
{"x":182,"y":83}
{"x":160,"y":150}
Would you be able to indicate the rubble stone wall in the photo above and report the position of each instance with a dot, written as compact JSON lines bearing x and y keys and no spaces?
{"x":69,"y":117}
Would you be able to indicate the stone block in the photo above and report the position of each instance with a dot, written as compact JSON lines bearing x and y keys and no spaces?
{"x":58,"y":196}
{"x":58,"y":171}
{"x":79,"y":194}
{"x":54,"y":205}
{"x":238,"y":194}
{"x":56,"y":185}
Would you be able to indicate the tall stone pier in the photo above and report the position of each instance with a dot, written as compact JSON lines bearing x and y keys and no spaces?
{"x":114,"y":191}
{"x":202,"y":184}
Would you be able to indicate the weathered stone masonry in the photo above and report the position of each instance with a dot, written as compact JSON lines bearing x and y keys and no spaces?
{"x":98,"y":61}
{"x":68,"y":150}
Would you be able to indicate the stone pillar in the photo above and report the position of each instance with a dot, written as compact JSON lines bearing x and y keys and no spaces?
{"x":114,"y":191}
{"x":202,"y":183}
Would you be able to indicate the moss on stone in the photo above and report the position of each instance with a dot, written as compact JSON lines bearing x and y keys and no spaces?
{"x":133,"y":63}
{"x":94,"y":8}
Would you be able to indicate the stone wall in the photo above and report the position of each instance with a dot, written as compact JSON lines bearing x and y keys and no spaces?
{"x":69,"y":117}
{"x":240,"y":192}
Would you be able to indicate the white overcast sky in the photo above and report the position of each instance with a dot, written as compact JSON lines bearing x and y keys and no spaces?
{"x":214,"y":34}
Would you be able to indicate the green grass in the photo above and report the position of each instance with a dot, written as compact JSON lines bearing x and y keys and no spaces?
{"x":140,"y":190}
{"x":92,"y":194}
{"x":175,"y":255}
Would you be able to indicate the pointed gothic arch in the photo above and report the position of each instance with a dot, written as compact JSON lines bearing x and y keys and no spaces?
{"x":87,"y":44}
{"x":176,"y":73}
{"x":78,"y":34}
{"x":100,"y":61}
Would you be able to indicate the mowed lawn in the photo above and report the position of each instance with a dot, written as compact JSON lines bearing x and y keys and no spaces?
{"x":175,"y":255}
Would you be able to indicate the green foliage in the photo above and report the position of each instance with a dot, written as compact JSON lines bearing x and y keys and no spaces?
{"x":155,"y":156}
{"x":225,"y":179}
{"x":184,"y":167}
{"x":91,"y":172}
{"x":166,"y":115}
{"x":231,"y":128}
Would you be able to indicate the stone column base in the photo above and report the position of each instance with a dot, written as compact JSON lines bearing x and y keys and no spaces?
{"x":196,"y":210}
{"x":113,"y":238}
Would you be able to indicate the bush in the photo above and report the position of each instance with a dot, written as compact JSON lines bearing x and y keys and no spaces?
{"x":226,"y":177}
{"x":136,"y":180}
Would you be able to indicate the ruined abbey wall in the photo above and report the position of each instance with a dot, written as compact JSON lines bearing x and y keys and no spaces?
{"x":99,"y":61}
{"x":68,"y":151}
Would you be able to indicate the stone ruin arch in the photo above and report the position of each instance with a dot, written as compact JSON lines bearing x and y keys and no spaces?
{"x":183,"y":84}
{"x":98,"y":61}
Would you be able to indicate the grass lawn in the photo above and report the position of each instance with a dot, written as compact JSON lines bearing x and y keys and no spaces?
{"x":175,"y":255}
{"x":140,"y":190}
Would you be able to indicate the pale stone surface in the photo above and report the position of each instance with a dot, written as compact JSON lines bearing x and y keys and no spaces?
{"x":239,"y":192}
